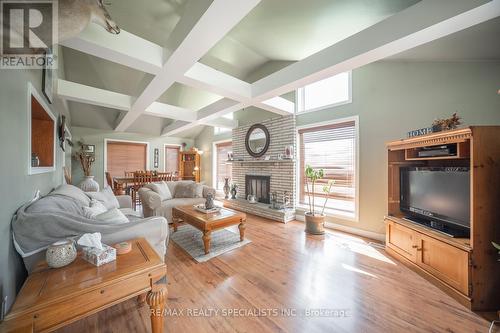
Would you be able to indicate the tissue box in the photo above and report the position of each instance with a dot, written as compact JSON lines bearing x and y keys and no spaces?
{"x":99,"y":257}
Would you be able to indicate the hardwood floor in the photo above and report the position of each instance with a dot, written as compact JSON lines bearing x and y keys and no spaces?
{"x":364,"y":289}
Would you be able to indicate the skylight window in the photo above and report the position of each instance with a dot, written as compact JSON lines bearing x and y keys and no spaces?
{"x":335,"y":90}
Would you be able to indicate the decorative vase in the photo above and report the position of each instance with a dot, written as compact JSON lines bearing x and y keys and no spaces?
{"x":89,"y":184}
{"x":60,"y":253}
{"x":226,"y":188}
{"x":315,"y":224}
{"x":234,"y":191}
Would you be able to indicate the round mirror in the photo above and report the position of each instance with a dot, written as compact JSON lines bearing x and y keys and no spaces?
{"x":257,"y":140}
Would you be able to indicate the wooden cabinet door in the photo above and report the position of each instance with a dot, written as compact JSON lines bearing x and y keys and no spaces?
{"x":401,"y":240}
{"x":448,"y":263}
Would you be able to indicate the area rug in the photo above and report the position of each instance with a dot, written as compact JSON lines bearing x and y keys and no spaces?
{"x":222,"y":241}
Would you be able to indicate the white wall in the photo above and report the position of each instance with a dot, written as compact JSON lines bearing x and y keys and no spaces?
{"x":17,"y":186}
{"x":392,"y":98}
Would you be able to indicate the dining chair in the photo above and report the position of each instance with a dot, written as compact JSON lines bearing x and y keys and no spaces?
{"x":109,"y":180}
{"x":140,"y":179}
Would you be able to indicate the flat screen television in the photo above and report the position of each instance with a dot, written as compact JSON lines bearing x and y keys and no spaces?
{"x":437,"y":197}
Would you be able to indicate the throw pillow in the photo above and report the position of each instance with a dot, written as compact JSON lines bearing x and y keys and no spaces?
{"x":199,"y":190}
{"x":112,"y":216}
{"x":161,"y":189}
{"x":95,"y":208}
{"x":185,"y":190}
{"x":106,"y":197}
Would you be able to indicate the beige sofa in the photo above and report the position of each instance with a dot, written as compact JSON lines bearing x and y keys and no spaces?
{"x":159,"y":198}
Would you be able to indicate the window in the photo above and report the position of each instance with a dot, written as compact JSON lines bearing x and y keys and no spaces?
{"x":223,"y":169}
{"x":220,"y":130}
{"x":172,"y":158}
{"x":332,"y":148}
{"x":325,"y":93}
{"x":124,"y":156}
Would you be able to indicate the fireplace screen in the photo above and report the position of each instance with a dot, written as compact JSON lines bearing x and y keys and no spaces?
{"x":258,"y":186}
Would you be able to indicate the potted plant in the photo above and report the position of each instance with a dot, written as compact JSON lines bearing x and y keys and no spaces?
{"x":315,"y":222}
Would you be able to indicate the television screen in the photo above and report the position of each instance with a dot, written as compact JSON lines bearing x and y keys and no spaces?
{"x":439,"y":194}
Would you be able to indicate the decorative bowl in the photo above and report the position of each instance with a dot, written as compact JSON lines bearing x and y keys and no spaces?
{"x":61,"y":253}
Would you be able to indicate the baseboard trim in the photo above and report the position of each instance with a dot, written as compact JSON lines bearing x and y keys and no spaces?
{"x":350,"y":230}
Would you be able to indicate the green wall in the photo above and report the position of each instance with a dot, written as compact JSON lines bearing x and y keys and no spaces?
{"x":392,"y":98}
{"x":96,"y":137}
{"x":17,"y":186}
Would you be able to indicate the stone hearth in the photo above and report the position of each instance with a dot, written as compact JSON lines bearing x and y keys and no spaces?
{"x":282,"y":173}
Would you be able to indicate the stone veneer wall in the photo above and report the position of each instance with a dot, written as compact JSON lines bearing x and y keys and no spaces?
{"x":283,"y":173}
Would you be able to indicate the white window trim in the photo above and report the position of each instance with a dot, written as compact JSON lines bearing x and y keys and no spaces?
{"x":165,"y":145}
{"x":332,"y":212}
{"x":214,"y":161}
{"x":300,"y":91}
{"x":39,"y":170}
{"x":105,"y":166}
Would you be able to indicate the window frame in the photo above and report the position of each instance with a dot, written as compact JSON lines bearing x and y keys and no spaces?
{"x":300,"y":97}
{"x":329,"y":211}
{"x":214,"y":162}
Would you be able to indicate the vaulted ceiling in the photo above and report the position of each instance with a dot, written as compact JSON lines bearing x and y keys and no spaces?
{"x":179,"y":65}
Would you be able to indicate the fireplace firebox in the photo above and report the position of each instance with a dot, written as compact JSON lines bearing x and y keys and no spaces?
{"x":259,"y":186}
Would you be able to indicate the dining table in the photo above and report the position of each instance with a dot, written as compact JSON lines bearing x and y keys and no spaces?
{"x":120,"y":184}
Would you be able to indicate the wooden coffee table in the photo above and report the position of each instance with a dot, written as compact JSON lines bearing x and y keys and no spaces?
{"x":52,"y":298}
{"x":206,"y":223}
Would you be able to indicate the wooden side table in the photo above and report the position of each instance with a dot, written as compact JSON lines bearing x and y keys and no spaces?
{"x":53,"y":298}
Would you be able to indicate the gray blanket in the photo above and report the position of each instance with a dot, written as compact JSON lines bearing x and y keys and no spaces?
{"x":54,"y":217}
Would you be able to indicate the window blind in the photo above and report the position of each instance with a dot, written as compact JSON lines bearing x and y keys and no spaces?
{"x":333,"y":149}
{"x":224,"y":169}
{"x":125,"y":156}
{"x":172,"y":159}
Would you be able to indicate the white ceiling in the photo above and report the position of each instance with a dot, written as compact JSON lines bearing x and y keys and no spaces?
{"x":276,"y":47}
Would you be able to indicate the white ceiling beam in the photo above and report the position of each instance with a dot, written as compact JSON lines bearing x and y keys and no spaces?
{"x":195,"y":34}
{"x":125,"y":48}
{"x":221,"y":122}
{"x":170,"y":111}
{"x":206,"y":78}
{"x":72,"y":91}
{"x":421,"y":23}
{"x":76,"y":92}
{"x":206,"y":115}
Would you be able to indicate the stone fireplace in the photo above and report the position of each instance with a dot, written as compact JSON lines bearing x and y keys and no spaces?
{"x":260,"y":186}
{"x":264,"y":176}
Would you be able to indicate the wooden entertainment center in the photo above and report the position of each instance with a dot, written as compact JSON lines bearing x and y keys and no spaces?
{"x":466,"y":268}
